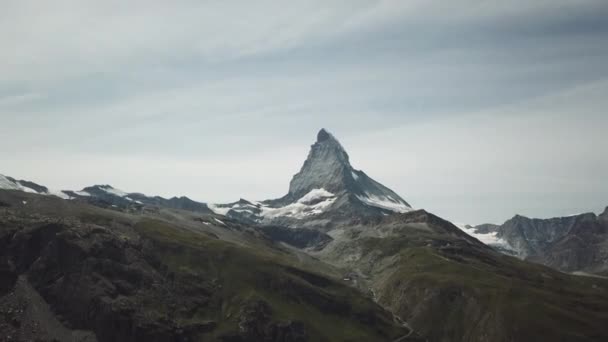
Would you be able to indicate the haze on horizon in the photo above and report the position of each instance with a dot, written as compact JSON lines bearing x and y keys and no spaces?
{"x":474,"y":110}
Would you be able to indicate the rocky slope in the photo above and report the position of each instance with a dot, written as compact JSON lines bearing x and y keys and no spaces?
{"x":106,"y":196}
{"x":74,"y":272}
{"x":570,"y":244}
{"x":453,"y":288}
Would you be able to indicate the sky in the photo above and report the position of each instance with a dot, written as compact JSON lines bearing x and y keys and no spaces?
{"x":475,"y":110}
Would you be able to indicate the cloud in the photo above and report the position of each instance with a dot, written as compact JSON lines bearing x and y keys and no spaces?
{"x":490,"y":165}
{"x":195,"y":84}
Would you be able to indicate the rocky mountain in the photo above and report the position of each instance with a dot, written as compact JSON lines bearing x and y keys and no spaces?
{"x":340,"y":257}
{"x":423,"y":268}
{"x":327,"y":190}
{"x":9,"y":183}
{"x":107,"y":196}
{"x":576,"y":243}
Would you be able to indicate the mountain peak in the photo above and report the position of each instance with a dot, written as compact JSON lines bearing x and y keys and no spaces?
{"x":324,"y":135}
{"x":328,"y":167}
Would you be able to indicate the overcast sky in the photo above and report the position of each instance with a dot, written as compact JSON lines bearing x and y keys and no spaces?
{"x":474,"y":109}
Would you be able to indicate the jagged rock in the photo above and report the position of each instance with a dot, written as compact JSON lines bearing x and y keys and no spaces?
{"x":325,"y":193}
{"x":572,"y":243}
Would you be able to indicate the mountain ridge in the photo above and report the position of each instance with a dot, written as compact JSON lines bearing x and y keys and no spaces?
{"x":574,"y":243}
{"x":340,"y":257}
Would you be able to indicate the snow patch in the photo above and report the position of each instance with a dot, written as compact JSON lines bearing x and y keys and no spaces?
{"x":115,"y":192}
{"x":30,"y":190}
{"x":218,"y":210}
{"x":59,"y":194}
{"x":6,"y":183}
{"x":384,"y":202}
{"x":242,"y":210}
{"x":219,"y":221}
{"x":82,"y":193}
{"x":490,"y":239}
{"x":355,"y":176}
{"x":314,"y":195}
{"x":223,"y":209}
{"x":302,"y":208}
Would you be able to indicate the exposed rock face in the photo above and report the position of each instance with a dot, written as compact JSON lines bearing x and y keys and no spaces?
{"x":325,"y":193}
{"x":93,"y":279}
{"x":485,"y":228}
{"x":328,"y":167}
{"x":108,"y":197}
{"x":10,"y":183}
{"x":529,"y":236}
{"x":182,"y":203}
{"x":573,"y":243}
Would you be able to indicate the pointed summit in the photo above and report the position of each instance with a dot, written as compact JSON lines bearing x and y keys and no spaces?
{"x":328,"y":167}
{"x":326,"y":192}
{"x":324,"y":135}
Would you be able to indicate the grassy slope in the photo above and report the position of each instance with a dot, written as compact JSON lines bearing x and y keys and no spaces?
{"x":446,"y":296}
{"x":451,"y":289}
{"x":446,"y":293}
{"x":223,"y":276}
{"x":331,"y":311}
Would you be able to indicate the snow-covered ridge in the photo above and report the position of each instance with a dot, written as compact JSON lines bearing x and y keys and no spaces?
{"x":384,"y":202}
{"x":218,"y":209}
{"x":113,"y":191}
{"x":315,"y":195}
{"x":59,"y":194}
{"x":313,"y":203}
{"x":490,"y":239}
{"x":8,"y":184}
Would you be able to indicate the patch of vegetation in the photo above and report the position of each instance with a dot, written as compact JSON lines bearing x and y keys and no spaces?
{"x":236,"y":275}
{"x":499,"y":299}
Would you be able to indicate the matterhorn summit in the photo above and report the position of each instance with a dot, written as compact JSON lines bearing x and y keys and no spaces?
{"x":326,"y":189}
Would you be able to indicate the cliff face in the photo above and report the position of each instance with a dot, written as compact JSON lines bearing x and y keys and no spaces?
{"x":328,"y":167}
{"x":569,"y":244}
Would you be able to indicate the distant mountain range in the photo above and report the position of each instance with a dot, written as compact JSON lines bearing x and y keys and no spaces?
{"x":340,"y":257}
{"x":576,"y":243}
{"x":328,"y":192}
